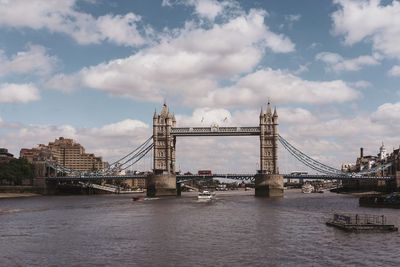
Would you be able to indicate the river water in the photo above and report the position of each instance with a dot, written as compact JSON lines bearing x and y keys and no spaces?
{"x":235,"y":230}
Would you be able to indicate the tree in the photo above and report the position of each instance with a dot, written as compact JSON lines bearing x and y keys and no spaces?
{"x":16,"y":170}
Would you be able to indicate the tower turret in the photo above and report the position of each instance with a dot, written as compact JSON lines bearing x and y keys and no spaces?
{"x":268,"y":140}
{"x":164,"y":152}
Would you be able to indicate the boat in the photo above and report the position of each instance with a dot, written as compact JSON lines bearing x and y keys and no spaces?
{"x":381,"y":201}
{"x":361,"y":223}
{"x":205,"y":195}
{"x":307,"y":188}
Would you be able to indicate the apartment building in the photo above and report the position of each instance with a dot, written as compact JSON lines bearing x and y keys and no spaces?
{"x":65,"y":152}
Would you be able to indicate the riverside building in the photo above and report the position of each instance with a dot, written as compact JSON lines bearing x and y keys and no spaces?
{"x":64,"y":152}
{"x":366,"y":163}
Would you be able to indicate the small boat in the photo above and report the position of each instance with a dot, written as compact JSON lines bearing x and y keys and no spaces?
{"x":136,"y":198}
{"x":307,"y":188}
{"x":205,"y":195}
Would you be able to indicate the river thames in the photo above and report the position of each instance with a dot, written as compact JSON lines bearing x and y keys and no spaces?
{"x":236,"y":229}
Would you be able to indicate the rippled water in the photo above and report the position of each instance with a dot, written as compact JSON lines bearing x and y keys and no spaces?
{"x":234,"y":230}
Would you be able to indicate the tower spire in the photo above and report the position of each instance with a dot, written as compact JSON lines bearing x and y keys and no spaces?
{"x":269,"y":111}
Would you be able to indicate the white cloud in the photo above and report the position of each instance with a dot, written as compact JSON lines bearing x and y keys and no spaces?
{"x":167,"y":3}
{"x":361,"y":84}
{"x":63,"y":17}
{"x":195,"y":56}
{"x":18,"y":93}
{"x":336,"y":63}
{"x":293,"y":17}
{"x":125,"y":128}
{"x":34,"y":60}
{"x":281,"y":86}
{"x":62,"y":82}
{"x":395,"y":71}
{"x":295,"y":116}
{"x":301,"y":69}
{"x":279,"y":43}
{"x":208,"y":8}
{"x":359,"y":20}
{"x":42,"y":133}
{"x":208,"y":116}
{"x":120,"y":29}
{"x":111,"y":141}
{"x":205,"y":117}
{"x":389,"y":114}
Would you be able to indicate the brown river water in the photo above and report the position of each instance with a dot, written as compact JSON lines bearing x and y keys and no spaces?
{"x":236,"y":229}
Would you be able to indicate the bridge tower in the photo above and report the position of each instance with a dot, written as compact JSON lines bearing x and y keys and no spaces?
{"x":163,"y":180}
{"x":268,"y":181}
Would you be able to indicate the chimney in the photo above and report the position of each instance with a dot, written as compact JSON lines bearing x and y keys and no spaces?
{"x":361,"y":152}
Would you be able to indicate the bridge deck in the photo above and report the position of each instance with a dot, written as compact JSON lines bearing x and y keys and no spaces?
{"x":242,"y":177}
{"x":215,"y":131}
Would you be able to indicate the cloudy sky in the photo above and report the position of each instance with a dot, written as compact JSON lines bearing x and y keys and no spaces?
{"x":95,"y":70}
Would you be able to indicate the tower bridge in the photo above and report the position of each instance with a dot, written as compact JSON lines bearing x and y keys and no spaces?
{"x":163,"y":180}
{"x":268,"y":182}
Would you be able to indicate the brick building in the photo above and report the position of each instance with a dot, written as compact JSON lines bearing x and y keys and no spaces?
{"x":64,"y":152}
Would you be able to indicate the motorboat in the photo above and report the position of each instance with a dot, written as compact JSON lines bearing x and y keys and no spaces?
{"x":307,"y":188}
{"x":205,"y":195}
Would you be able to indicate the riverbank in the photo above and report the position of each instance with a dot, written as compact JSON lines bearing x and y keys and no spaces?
{"x":20,"y":191}
{"x":15,"y":195}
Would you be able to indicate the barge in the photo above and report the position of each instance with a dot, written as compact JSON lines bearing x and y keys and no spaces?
{"x":381,"y":201}
{"x":361,"y":223}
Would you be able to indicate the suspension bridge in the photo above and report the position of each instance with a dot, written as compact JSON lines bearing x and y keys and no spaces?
{"x":163,"y":178}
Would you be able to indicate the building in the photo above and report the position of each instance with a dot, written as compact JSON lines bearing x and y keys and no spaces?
{"x":5,"y":157}
{"x":40,"y":153}
{"x":394,"y":158}
{"x":64,"y":152}
{"x":382,"y":153}
{"x":366,"y":163}
{"x":135,"y":183}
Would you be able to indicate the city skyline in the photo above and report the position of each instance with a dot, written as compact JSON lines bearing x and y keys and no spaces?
{"x":95,"y":71}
